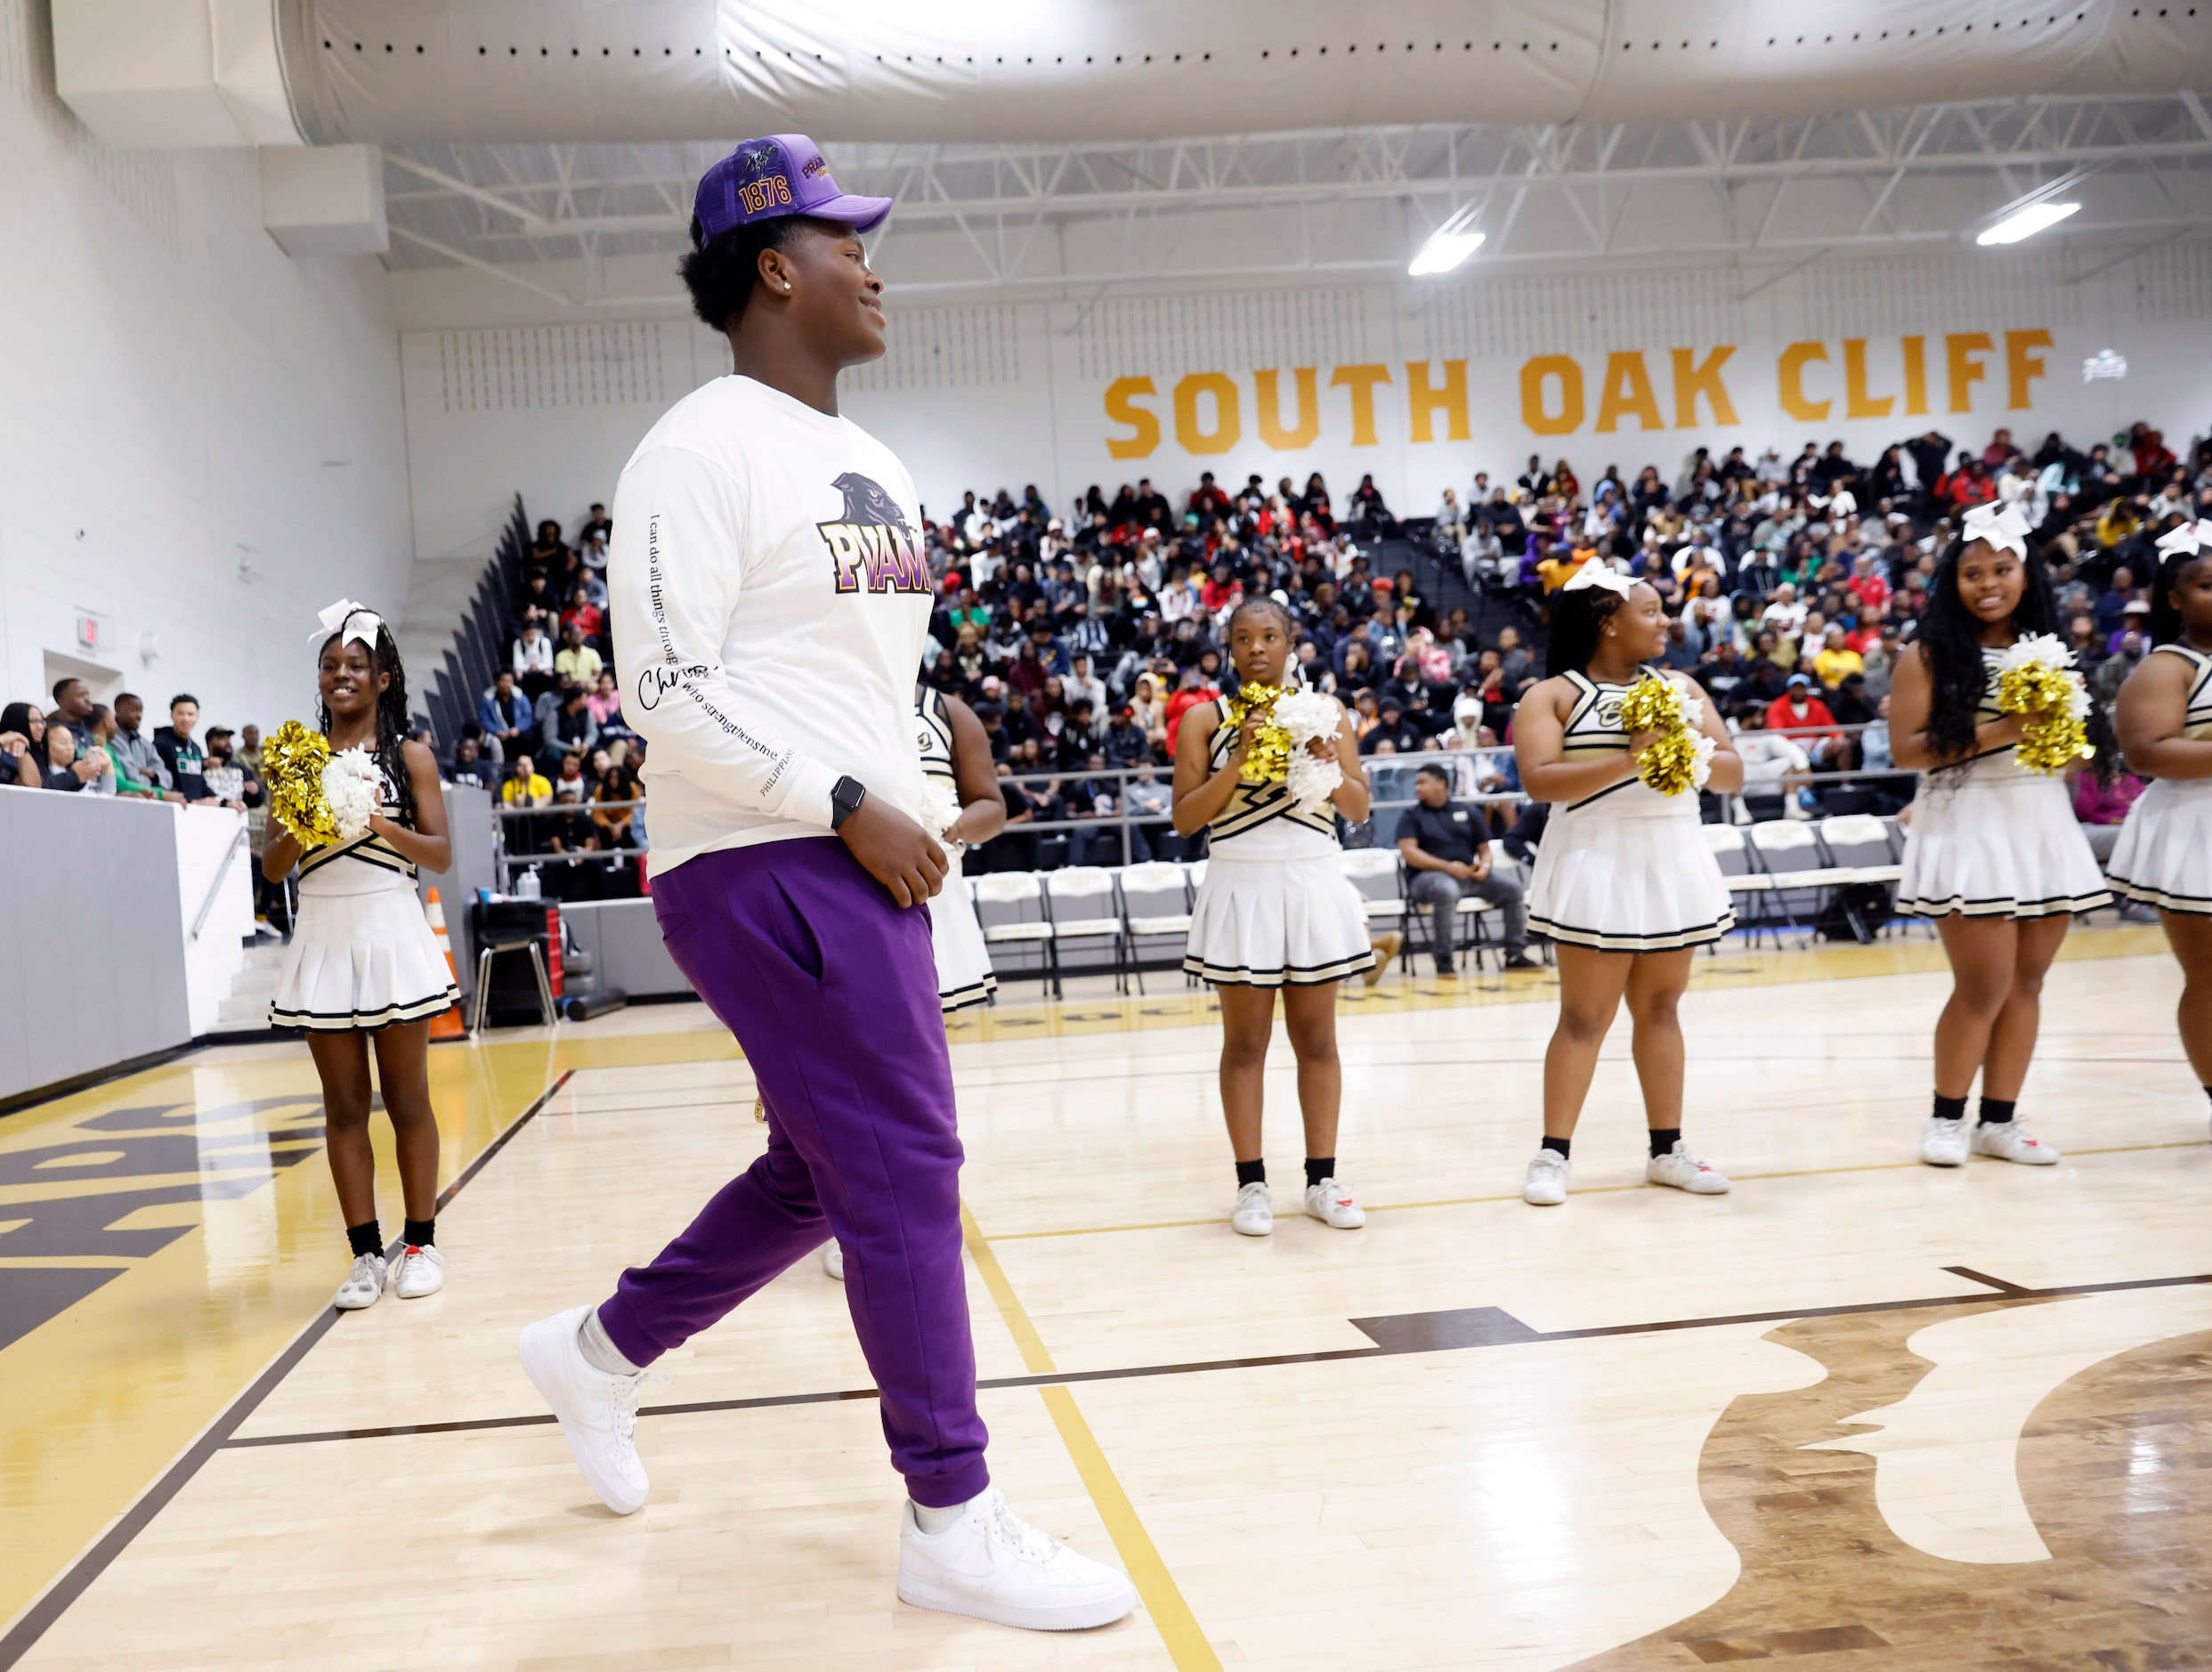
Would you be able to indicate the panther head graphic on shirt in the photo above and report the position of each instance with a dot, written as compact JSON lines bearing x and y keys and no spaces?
{"x":871,"y":545}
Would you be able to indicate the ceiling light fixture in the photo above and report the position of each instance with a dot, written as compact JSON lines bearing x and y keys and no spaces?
{"x":2026,"y":223}
{"x":1448,"y":246}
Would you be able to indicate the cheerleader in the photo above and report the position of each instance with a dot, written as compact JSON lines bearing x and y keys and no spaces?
{"x":1625,"y":884}
{"x":956,"y":762}
{"x":1993,"y":855}
{"x":362,"y":961}
{"x":2164,"y":717}
{"x":1275,"y":911}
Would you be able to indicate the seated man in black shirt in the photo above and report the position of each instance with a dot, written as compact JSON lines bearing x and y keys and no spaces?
{"x":1444,"y":843}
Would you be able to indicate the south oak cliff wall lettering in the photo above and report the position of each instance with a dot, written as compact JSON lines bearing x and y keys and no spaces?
{"x":1210,"y":412}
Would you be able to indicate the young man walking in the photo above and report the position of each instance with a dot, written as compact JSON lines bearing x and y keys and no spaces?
{"x":770,"y":597}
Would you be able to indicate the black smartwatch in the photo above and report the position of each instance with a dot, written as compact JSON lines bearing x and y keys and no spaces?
{"x":844,"y":799}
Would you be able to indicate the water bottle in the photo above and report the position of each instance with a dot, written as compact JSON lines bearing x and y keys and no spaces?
{"x":527,"y":888}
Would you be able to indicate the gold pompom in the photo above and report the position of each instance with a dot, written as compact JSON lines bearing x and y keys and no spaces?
{"x":292,"y":761}
{"x":1268,"y":760}
{"x":1675,"y":760}
{"x":2049,"y":701}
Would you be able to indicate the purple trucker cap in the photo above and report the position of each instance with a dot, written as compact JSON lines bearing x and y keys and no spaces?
{"x":783,"y":174}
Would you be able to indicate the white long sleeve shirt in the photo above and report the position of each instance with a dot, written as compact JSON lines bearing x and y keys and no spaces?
{"x":770,"y":595}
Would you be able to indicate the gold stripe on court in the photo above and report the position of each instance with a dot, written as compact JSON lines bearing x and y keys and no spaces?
{"x":1171,"y":1617}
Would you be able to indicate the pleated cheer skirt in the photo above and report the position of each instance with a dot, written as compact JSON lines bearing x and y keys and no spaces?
{"x":2164,"y":855}
{"x":964,"y":975}
{"x":1996,"y":841}
{"x":1629,"y":872}
{"x":362,"y":956}
{"x":1275,"y":922}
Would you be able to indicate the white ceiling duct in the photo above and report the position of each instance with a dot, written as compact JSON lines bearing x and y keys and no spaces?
{"x":384,"y":71}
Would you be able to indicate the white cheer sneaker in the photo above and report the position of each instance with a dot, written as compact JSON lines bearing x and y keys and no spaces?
{"x":1331,"y":1204}
{"x":1254,"y":1213}
{"x":988,"y":1565}
{"x":833,"y":1259}
{"x":1679,"y":1170}
{"x":419,"y":1271}
{"x":598,"y":1412}
{"x":2009,"y":1140}
{"x":1943,"y":1143}
{"x":1548,"y":1175}
{"x":363,"y":1284}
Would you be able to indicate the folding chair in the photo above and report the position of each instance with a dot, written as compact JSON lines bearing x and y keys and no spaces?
{"x":1860,"y":843}
{"x":1790,"y":852}
{"x":1374,"y":872}
{"x":1746,"y":883}
{"x":1009,"y":905}
{"x":1155,"y":903}
{"x":1080,"y":906}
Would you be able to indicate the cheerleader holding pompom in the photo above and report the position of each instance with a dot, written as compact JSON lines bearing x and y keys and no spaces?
{"x":1625,"y":886}
{"x":1993,"y":854}
{"x":1275,"y":911}
{"x":2164,"y":718}
{"x":363,"y":962}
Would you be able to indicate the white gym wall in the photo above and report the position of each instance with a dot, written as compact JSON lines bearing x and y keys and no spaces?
{"x":200,"y":438}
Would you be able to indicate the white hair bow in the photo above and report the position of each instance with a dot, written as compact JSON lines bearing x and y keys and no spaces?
{"x":1598,"y":572}
{"x":352,"y":621}
{"x":2004,"y":526}
{"x":2190,"y":537}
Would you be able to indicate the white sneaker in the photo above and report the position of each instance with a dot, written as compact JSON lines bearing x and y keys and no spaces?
{"x":1254,"y":1213}
{"x":598,"y":1412}
{"x":363,"y":1284}
{"x":1331,"y":1204}
{"x":987,"y":1565}
{"x":419,"y":1271}
{"x":1943,"y":1143}
{"x":1683,"y":1171}
{"x":2009,"y":1140}
{"x":1548,"y":1175}
{"x":833,"y":1259}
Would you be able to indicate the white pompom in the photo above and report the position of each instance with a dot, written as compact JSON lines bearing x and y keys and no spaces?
{"x":1310,"y":717}
{"x":352,"y":784}
{"x":940,"y":807}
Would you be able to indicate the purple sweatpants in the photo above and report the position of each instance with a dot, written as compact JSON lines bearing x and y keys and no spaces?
{"x":832,"y":991}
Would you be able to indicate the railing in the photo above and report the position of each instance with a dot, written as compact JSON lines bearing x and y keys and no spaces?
{"x":1123,"y":827}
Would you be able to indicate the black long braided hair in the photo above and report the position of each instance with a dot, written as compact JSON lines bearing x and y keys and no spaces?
{"x":391,"y":715}
{"x":1950,"y":637}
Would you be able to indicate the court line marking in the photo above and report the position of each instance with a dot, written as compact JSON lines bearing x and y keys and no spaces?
{"x":62,"y":1592}
{"x":1594,"y":1189}
{"x":1999,"y":1289}
{"x":1164,"y":1601}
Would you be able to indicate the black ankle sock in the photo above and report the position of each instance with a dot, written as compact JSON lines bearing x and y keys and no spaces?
{"x":365,"y":1238}
{"x":419,"y":1233}
{"x":1250,"y":1173}
{"x":1996,"y":1111}
{"x":1664,"y":1138}
{"x":1319,"y":1167}
{"x":1949,"y":1108}
{"x":1559,"y":1146}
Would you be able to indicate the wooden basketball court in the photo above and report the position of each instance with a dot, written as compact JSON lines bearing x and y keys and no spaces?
{"x":1857,"y":1409}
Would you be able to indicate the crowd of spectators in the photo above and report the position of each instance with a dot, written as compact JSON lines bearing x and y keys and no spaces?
{"x":1082,"y":637}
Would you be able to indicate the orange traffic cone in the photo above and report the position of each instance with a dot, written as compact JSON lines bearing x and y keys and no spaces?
{"x":448,"y":1025}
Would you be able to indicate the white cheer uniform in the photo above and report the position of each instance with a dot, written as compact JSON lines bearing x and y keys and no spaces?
{"x":2164,"y":855}
{"x":1275,"y":909}
{"x":361,"y":955}
{"x":1991,"y":838}
{"x":964,"y":976}
{"x":1627,"y":869}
